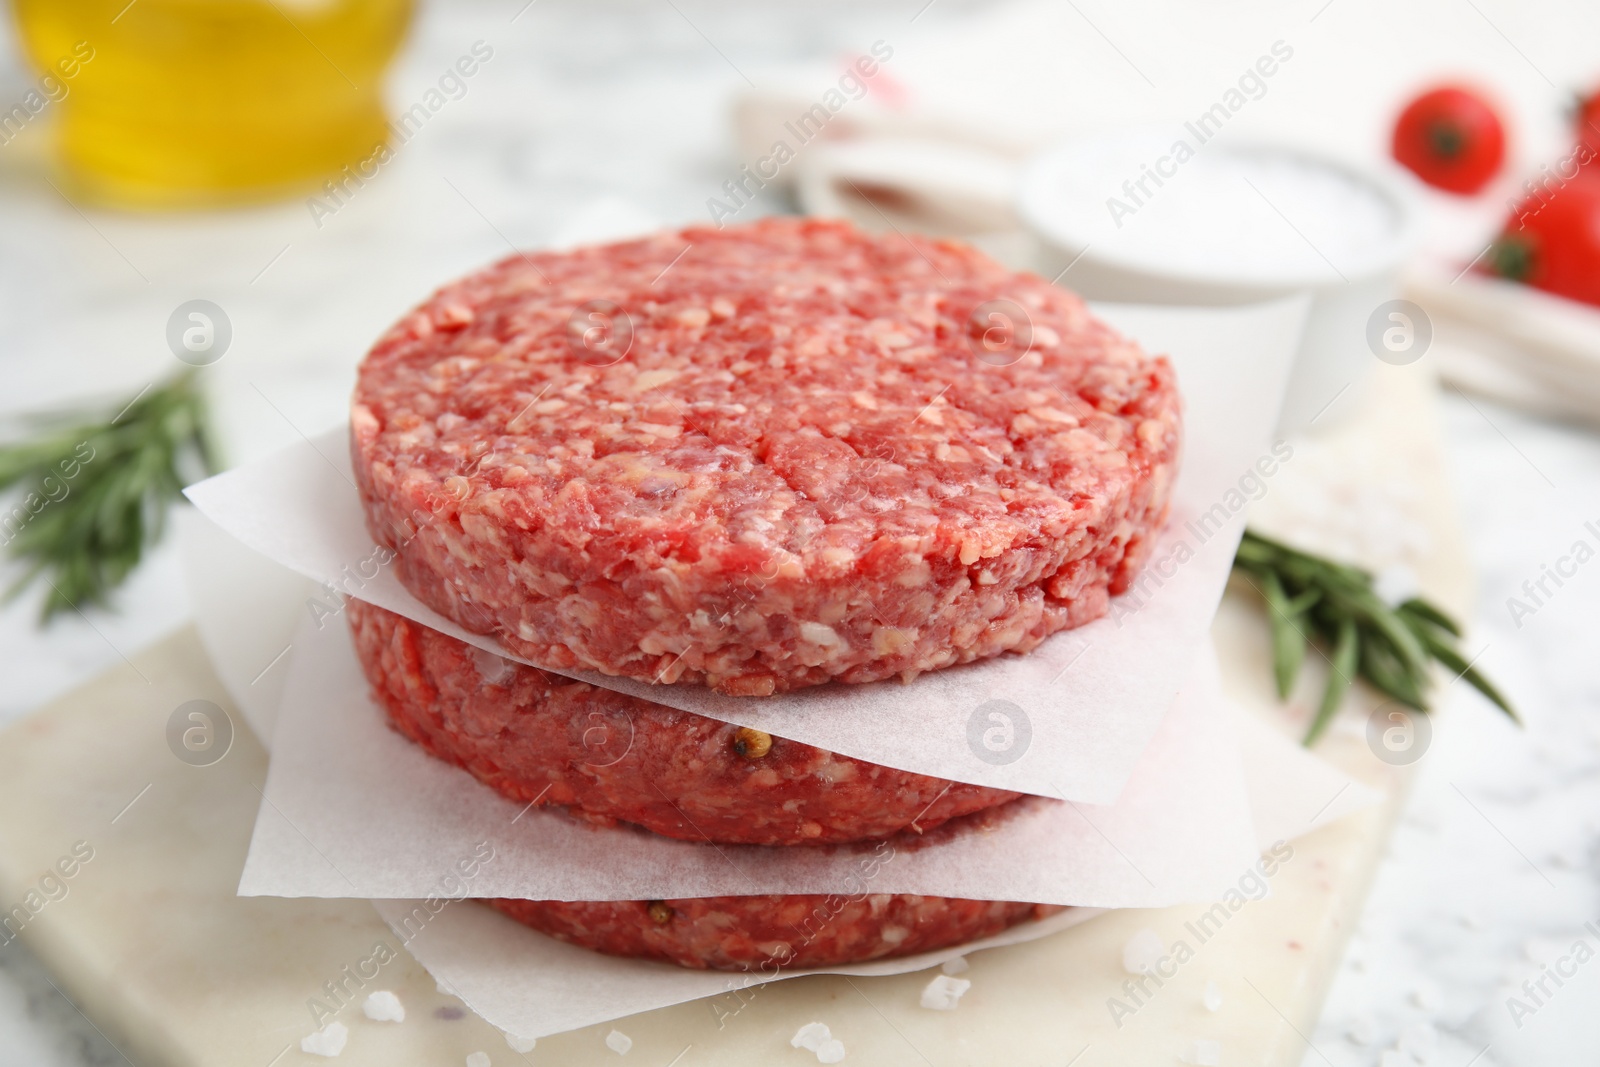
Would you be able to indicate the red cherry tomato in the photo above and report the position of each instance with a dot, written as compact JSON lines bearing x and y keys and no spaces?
{"x":1552,"y":242}
{"x":1588,"y":122}
{"x":1451,"y":138}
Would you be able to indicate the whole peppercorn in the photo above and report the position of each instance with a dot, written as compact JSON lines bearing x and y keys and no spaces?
{"x":660,"y":912}
{"x":751,"y":744}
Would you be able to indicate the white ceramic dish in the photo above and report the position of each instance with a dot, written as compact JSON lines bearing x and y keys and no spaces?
{"x":1132,"y":216}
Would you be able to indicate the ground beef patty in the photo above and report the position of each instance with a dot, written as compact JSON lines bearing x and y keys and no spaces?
{"x":763,"y":457}
{"x":771,"y":932}
{"x":609,"y":757}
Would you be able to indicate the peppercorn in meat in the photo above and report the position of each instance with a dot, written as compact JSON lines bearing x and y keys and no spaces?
{"x":608,"y":757}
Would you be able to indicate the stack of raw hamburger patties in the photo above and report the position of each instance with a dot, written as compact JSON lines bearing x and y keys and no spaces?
{"x":757,"y":459}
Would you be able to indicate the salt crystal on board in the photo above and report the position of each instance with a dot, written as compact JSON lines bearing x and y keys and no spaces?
{"x":384,"y":1007}
{"x":944,"y":992}
{"x":810,"y":1036}
{"x":329,"y":1041}
{"x":1142,"y":952}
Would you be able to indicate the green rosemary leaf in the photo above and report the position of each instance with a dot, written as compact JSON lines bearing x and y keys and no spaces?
{"x":1418,"y":608}
{"x":1334,"y":605}
{"x":1382,"y":618}
{"x":91,"y":495}
{"x":17,"y":461}
{"x":1388,"y":673}
{"x":1254,"y":553}
{"x":1341,"y":672}
{"x":1288,"y":643}
{"x":1305,"y":601}
{"x":1470,"y":674}
{"x":1281,"y":555}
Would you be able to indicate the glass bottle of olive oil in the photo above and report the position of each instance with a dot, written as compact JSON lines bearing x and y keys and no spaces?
{"x":194,"y":103}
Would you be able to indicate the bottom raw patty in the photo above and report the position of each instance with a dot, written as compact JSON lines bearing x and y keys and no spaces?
{"x":771,"y":932}
{"x":609,"y":757}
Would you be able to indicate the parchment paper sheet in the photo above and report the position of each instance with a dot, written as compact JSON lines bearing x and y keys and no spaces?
{"x":1092,"y":697}
{"x":531,"y":985}
{"x":352,"y":808}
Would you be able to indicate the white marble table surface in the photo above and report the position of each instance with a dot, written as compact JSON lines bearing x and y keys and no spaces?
{"x":1497,"y":865}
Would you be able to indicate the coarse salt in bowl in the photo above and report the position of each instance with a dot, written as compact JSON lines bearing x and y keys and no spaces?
{"x":1172,"y":216}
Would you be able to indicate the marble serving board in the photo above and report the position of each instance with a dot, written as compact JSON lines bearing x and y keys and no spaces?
{"x":151,"y":943}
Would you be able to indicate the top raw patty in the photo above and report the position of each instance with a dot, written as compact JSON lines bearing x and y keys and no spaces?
{"x":763,"y":457}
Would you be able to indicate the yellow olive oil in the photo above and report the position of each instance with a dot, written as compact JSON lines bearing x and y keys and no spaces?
{"x":193,"y":103}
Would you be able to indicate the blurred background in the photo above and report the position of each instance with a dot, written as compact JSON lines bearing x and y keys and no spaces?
{"x":310,"y":168}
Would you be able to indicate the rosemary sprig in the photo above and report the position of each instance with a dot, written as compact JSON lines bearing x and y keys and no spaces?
{"x":1312,"y":599}
{"x":92,"y":492}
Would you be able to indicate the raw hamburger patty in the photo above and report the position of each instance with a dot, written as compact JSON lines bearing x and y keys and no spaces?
{"x":746,"y":933}
{"x":610,"y":757}
{"x":771,"y":456}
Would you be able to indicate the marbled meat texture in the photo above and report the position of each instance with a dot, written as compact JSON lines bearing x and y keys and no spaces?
{"x":771,"y":933}
{"x":609,"y":757}
{"x":763,"y":457}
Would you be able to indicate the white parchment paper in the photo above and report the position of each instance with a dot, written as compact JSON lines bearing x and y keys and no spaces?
{"x":531,"y":985}
{"x":1089,"y":699}
{"x":520,"y":980}
{"x":352,"y":808}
